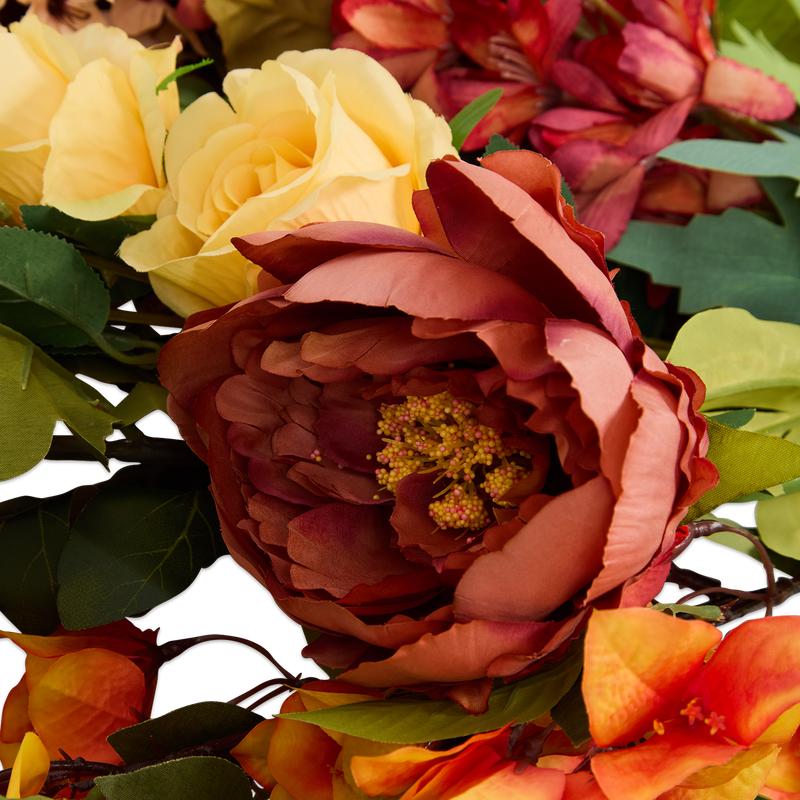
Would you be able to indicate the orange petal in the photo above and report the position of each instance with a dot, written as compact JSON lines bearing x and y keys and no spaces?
{"x":785,"y":774}
{"x":253,"y":750}
{"x":729,"y":84}
{"x":30,"y":768}
{"x":763,"y":656}
{"x":740,"y":779}
{"x":646,"y":771}
{"x":15,"y":722}
{"x":637,"y":663}
{"x":84,"y":697}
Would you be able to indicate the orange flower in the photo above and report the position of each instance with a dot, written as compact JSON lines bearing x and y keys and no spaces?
{"x":715,"y":726}
{"x":79,"y":687}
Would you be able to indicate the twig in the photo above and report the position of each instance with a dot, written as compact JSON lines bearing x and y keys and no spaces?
{"x":145,"y":450}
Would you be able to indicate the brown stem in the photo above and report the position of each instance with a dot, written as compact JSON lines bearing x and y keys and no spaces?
{"x":170,"y":650}
{"x":708,"y":591}
{"x":274,"y":693}
{"x":784,"y":589}
{"x":690,"y":579}
{"x":145,"y":450}
{"x":296,"y":684}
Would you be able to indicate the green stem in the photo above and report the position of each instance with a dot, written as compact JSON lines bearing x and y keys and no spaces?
{"x":142,"y":318}
{"x":141,"y":360}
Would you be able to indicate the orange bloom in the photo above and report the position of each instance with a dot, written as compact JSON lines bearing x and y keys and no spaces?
{"x":79,"y":687}
{"x":442,"y":451}
{"x":718,"y":723}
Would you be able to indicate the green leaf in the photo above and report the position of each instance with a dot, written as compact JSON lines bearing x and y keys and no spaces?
{"x":35,"y":393}
{"x":49,"y":293}
{"x":185,"y":727}
{"x":496,"y":143}
{"x":736,"y":258}
{"x":181,"y":71}
{"x":253,"y":31}
{"x":757,"y":51}
{"x":745,"y":363}
{"x":708,"y":613}
{"x":103,"y":237}
{"x":746,"y":462}
{"x":464,"y":122}
{"x":143,"y":399}
{"x":33,"y":533}
{"x":567,"y":193}
{"x":737,"y":418}
{"x":413,"y":721}
{"x":764,"y":159}
{"x":778,"y":521}
{"x":571,"y":716}
{"x":193,"y":778}
{"x":779,"y":20}
{"x":140,"y":541}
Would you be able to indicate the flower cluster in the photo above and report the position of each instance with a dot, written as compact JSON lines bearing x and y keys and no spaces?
{"x":601,"y":92}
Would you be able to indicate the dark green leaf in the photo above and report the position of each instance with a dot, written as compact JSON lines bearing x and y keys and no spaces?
{"x":571,"y":716}
{"x":708,"y":613}
{"x":412,"y":721}
{"x":567,"y":193}
{"x":737,"y":418}
{"x":35,"y":392}
{"x":181,"y":71}
{"x":194,"y":778}
{"x":746,"y":462}
{"x":103,"y":237}
{"x":463,"y":123}
{"x":157,"y":738}
{"x":49,"y":293}
{"x":33,"y":533}
{"x":737,"y":258}
{"x":765,"y":159}
{"x":497,"y":142}
{"x":140,"y":541}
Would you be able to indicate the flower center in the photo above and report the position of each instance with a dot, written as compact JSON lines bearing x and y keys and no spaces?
{"x":440,"y":435}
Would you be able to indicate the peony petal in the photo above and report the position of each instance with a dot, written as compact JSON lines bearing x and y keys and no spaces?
{"x":555,"y":555}
{"x":637,"y":664}
{"x":82,"y":698}
{"x":734,"y":86}
{"x":763,"y":655}
{"x":646,"y":771}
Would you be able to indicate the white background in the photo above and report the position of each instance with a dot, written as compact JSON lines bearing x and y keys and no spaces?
{"x":225,"y":599}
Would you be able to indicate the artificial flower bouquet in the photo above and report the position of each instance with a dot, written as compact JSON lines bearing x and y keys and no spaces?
{"x":471,"y":314}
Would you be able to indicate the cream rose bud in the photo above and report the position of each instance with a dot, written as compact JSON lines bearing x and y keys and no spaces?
{"x":81,"y":125}
{"x":323,"y":135}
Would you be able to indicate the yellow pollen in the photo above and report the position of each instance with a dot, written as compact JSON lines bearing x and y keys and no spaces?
{"x":715,"y":722}
{"x":439,"y":435}
{"x":693,"y":711}
{"x":658,"y":727}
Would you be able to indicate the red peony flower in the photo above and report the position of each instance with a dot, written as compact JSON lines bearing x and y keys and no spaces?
{"x":442,"y":451}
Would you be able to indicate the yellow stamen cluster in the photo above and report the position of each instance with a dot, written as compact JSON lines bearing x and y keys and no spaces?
{"x":439,"y":434}
{"x":694,"y":713}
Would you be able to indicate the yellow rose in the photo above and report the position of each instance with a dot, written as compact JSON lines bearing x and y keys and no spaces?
{"x":81,"y":126}
{"x":317,"y":136}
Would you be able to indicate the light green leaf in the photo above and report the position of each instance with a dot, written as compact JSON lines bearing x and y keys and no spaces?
{"x":413,"y":721}
{"x":163,"y":531}
{"x":708,"y":613}
{"x":757,"y":51}
{"x":763,"y":159}
{"x":497,"y":142}
{"x":737,"y":258}
{"x":746,"y":462}
{"x":143,"y":399}
{"x":778,"y":521}
{"x":253,"y":31}
{"x":185,"y":727}
{"x":778,"y":19}
{"x":181,"y":71}
{"x":35,"y":393}
{"x":463,"y":123}
{"x":193,"y":778}
{"x":33,"y":532}
{"x":47,"y":291}
{"x":745,"y":363}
